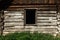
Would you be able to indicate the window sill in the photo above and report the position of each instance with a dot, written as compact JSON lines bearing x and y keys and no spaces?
{"x":30,"y":25}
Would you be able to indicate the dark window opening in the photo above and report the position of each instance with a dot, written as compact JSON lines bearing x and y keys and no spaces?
{"x":30,"y":16}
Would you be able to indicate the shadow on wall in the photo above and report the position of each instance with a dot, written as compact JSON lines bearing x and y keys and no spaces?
{"x":4,"y":4}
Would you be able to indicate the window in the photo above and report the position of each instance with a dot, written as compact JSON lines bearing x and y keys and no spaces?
{"x":30,"y":16}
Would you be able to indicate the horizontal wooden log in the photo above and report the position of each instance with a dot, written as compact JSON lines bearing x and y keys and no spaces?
{"x":30,"y":26}
{"x":40,"y":8}
{"x":47,"y":15}
{"x":41,"y":27}
{"x":11,"y":12}
{"x":12,"y":17}
{"x":45,"y":30}
{"x":32,"y":6}
{"x":16,"y":27}
{"x":47,"y":24}
{"x":47,"y":27}
{"x":8,"y":26}
{"x":13,"y":30}
{"x":46,"y":21}
{"x":46,"y":12}
{"x":47,"y":9}
{"x":14,"y":24}
{"x":13,"y":20}
{"x":46,"y":18}
{"x":49,"y":31}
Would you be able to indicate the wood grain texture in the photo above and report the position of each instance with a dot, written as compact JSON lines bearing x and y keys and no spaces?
{"x":46,"y":22}
{"x":33,"y":1}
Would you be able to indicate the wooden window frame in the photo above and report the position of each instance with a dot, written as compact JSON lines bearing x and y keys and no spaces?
{"x":25,"y":18}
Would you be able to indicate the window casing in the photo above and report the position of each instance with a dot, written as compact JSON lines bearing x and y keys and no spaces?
{"x":30,"y":16}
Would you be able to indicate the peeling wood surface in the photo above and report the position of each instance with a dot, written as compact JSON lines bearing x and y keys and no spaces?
{"x":46,"y":22}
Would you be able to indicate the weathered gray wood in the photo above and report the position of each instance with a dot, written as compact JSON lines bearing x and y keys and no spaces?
{"x":46,"y":17}
{"x":47,"y":27}
{"x":13,"y":21}
{"x":48,"y":30}
{"x":46,"y":12}
{"x":46,"y":22}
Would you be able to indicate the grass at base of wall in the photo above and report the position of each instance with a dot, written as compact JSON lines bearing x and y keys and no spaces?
{"x":28,"y":36}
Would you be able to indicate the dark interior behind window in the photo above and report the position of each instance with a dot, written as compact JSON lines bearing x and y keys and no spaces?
{"x":30,"y":16}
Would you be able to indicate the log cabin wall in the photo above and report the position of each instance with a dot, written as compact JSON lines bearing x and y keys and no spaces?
{"x":47,"y":20}
{"x":14,"y":22}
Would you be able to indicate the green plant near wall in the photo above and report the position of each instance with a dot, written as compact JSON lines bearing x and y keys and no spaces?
{"x":28,"y":36}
